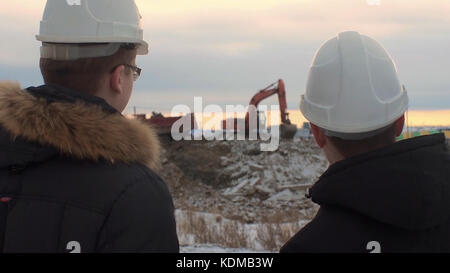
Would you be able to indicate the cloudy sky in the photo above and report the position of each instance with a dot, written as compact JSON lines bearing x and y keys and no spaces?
{"x":225,"y":50}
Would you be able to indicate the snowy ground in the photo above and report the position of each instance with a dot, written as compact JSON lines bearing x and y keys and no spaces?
{"x":199,"y":230}
{"x":231,"y":197}
{"x":281,"y":177}
{"x":216,"y":249}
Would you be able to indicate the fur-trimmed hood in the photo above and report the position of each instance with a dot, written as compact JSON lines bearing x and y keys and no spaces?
{"x":76,"y":129}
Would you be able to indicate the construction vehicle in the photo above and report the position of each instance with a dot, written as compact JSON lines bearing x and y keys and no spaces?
{"x":287,"y":129}
{"x":163,"y":125}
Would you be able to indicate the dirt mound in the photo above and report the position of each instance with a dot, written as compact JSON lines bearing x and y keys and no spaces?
{"x":199,"y":161}
{"x":235,"y":179}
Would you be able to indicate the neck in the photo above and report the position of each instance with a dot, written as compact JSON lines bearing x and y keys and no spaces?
{"x":332,"y":154}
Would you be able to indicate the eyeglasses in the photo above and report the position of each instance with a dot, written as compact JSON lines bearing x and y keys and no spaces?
{"x":136,"y":71}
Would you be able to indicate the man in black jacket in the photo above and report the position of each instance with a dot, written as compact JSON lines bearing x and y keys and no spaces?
{"x":75,"y":175}
{"x":378,"y":195}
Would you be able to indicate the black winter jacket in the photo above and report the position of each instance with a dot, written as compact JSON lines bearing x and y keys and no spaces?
{"x":75,"y":176}
{"x":396,"y":199}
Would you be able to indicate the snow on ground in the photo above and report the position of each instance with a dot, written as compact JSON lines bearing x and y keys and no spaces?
{"x":208,"y":248}
{"x":294,"y":166}
{"x":231,"y":197}
{"x":200,"y":231}
{"x":271,"y":179}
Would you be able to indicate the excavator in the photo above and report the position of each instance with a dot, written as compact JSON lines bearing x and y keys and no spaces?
{"x":287,"y":129}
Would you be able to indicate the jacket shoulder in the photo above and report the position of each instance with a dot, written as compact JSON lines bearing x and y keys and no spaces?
{"x":334,"y":229}
{"x":87,"y":184}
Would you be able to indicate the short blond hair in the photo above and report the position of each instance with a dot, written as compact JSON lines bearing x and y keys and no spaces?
{"x":84,"y":75}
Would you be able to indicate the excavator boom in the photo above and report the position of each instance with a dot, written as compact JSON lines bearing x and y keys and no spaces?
{"x":288,"y":130}
{"x":269,"y":91}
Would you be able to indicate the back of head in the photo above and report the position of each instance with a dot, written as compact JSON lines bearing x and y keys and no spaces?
{"x":348,"y":148}
{"x":353,"y":93}
{"x":85,"y":74}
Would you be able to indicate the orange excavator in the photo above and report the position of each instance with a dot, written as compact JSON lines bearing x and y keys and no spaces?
{"x":287,"y":129}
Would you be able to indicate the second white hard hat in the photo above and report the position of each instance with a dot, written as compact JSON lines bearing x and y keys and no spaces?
{"x":92,"y":22}
{"x":353,"y":87}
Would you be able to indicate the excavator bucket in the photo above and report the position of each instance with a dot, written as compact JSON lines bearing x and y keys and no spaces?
{"x":288,"y":131}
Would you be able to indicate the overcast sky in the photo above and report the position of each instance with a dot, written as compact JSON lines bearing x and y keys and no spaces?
{"x":225,"y":50}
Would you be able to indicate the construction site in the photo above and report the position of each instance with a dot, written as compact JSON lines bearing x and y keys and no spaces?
{"x":224,"y":126}
{"x":232,"y":197}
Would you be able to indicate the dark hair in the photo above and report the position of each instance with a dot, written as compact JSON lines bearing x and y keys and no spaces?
{"x":349,"y":148}
{"x":85,"y":74}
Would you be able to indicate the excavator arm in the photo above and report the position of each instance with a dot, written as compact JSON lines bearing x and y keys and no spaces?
{"x":287,"y":130}
{"x":268,"y":92}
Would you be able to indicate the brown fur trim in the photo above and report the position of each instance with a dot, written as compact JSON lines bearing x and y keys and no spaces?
{"x":78,"y":130}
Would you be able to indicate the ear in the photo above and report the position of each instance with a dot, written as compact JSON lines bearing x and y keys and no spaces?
{"x":116,"y":81}
{"x":319,"y":135}
{"x":399,"y":123}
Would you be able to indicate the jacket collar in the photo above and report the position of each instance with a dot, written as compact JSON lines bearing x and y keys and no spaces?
{"x":81,"y":126}
{"x":56,"y":93}
{"x":412,"y":145}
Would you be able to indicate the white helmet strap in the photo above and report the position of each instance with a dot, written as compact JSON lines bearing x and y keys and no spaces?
{"x":72,"y":52}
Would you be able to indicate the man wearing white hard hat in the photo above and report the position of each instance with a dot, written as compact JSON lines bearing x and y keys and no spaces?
{"x":378,"y":195}
{"x":75,"y":175}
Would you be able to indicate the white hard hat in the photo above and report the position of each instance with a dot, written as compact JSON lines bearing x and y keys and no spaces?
{"x":71,"y":22}
{"x":353,"y":88}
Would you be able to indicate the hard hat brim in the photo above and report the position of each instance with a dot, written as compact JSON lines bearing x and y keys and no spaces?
{"x":142,"y":49}
{"x":310,"y":111}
